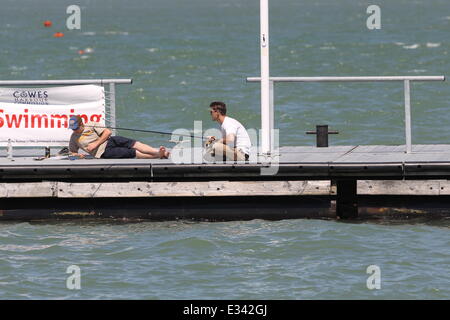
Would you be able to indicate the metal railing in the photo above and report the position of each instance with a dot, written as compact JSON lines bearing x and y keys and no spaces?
{"x":407,"y":95}
{"x":110,"y":100}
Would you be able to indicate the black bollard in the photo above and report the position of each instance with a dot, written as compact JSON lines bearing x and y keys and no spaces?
{"x":322,"y":135}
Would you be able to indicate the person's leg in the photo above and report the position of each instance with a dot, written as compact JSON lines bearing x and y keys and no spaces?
{"x":122,"y":147}
{"x":144,"y":151}
{"x":141,"y":155}
{"x":221,"y":150}
{"x":114,"y":152}
{"x":145,"y":148}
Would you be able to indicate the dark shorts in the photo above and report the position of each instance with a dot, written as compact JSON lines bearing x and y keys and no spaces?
{"x":119,"y":147}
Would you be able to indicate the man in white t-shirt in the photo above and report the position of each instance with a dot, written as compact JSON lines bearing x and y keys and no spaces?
{"x":235,"y":143}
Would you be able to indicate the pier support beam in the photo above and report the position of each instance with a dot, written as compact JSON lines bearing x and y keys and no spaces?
{"x":346,"y":199}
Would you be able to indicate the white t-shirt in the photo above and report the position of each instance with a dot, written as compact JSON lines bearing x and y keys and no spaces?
{"x":242,"y":140}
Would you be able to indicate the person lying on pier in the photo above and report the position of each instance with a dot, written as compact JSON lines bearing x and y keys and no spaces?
{"x":98,"y":142}
{"x":235,"y":143}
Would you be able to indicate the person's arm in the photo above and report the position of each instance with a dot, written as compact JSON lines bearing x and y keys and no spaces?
{"x":103,"y":137}
{"x":79,"y":155}
{"x":73,"y":149}
{"x":229,"y":139}
{"x":229,"y":134}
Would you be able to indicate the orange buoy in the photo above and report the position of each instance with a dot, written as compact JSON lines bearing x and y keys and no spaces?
{"x":80,"y":51}
{"x":47,"y":23}
{"x":58,"y":35}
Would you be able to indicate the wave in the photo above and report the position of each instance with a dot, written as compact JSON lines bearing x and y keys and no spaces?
{"x":417,"y":45}
{"x":122,"y":33}
{"x":413,"y":46}
{"x":16,"y":68}
{"x":433,"y":45}
{"x":327,"y":48}
{"x":144,"y":72}
{"x":126,"y":250}
{"x":24,"y":248}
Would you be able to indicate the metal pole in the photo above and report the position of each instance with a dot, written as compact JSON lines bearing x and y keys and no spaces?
{"x":265,"y":84}
{"x":9,"y":150}
{"x":62,"y":82}
{"x":350,"y":79}
{"x":271,"y":114}
{"x":408,"y":116}
{"x":112,"y":106}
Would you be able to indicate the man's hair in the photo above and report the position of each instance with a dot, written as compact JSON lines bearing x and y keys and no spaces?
{"x":219,"y":106}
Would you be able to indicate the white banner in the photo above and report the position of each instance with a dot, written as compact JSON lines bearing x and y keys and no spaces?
{"x":42,"y":114}
{"x":54,"y":95}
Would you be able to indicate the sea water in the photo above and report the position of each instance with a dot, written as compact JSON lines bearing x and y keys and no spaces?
{"x":181,"y":56}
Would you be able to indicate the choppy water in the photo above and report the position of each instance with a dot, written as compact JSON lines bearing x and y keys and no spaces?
{"x":290,"y":259}
{"x":184,"y":54}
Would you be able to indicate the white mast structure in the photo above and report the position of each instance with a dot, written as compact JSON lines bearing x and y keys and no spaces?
{"x":266,"y":119}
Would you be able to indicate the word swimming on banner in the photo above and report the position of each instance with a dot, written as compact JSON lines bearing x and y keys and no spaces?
{"x":47,"y":120}
{"x":42,"y":114}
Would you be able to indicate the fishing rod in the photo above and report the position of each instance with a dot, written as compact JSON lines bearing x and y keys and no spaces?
{"x":153,"y":131}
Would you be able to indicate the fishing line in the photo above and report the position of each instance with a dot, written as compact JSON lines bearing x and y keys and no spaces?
{"x":153,"y":131}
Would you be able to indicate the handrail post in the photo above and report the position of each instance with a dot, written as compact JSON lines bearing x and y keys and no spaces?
{"x":408,"y":116}
{"x":9,"y":150}
{"x":266,"y":147}
{"x":112,"y":106}
{"x":271,"y":115}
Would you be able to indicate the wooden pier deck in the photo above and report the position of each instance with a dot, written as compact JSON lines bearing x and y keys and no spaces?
{"x":309,"y":182}
{"x":296,"y":163}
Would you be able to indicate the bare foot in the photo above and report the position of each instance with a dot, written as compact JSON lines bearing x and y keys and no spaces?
{"x":163,"y":153}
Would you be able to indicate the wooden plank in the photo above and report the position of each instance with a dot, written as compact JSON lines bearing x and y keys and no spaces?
{"x":380,"y":149}
{"x":102,"y":190}
{"x":314,"y":149}
{"x":216,"y":188}
{"x":402,"y":187}
{"x":373,"y":158}
{"x":269,"y":188}
{"x":28,"y":190}
{"x":312,"y":154}
{"x":444,"y":187}
{"x":191,"y":189}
